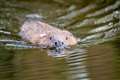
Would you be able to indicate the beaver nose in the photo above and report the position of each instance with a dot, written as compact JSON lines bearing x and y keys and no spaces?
{"x":56,"y":43}
{"x":59,"y":43}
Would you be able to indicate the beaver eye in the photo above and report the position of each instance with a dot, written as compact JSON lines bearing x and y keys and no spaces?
{"x":66,"y":38}
{"x":50,"y":38}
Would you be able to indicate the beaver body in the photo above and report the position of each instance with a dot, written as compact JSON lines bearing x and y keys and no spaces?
{"x":40,"y":33}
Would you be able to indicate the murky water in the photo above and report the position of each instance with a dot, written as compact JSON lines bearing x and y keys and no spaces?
{"x":95,"y":22}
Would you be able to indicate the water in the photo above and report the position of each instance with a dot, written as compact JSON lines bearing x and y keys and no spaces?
{"x":96,"y":57}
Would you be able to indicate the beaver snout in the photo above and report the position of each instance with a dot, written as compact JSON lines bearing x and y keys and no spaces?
{"x":59,"y":43}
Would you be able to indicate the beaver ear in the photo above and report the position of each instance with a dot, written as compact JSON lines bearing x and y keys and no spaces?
{"x":67,"y":32}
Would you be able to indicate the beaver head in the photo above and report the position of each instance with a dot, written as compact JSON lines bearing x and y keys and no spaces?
{"x":61,"y":39}
{"x":53,"y":39}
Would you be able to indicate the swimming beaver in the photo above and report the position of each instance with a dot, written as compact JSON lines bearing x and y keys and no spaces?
{"x":47,"y":36}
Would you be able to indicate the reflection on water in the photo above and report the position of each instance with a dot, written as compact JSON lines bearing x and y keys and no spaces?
{"x":96,"y":57}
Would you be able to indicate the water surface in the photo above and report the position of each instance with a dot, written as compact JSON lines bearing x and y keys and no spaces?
{"x":95,"y":22}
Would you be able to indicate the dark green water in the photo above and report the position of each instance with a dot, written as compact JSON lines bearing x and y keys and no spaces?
{"x":95,"y":22}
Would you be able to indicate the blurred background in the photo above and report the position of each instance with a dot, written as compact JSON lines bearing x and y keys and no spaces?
{"x":95,"y":22}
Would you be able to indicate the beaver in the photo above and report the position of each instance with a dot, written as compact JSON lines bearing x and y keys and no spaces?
{"x":39,"y":33}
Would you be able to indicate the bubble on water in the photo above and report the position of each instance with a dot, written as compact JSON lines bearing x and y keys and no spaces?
{"x":110,"y":24}
{"x":117,"y":12}
{"x":116,"y":15}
